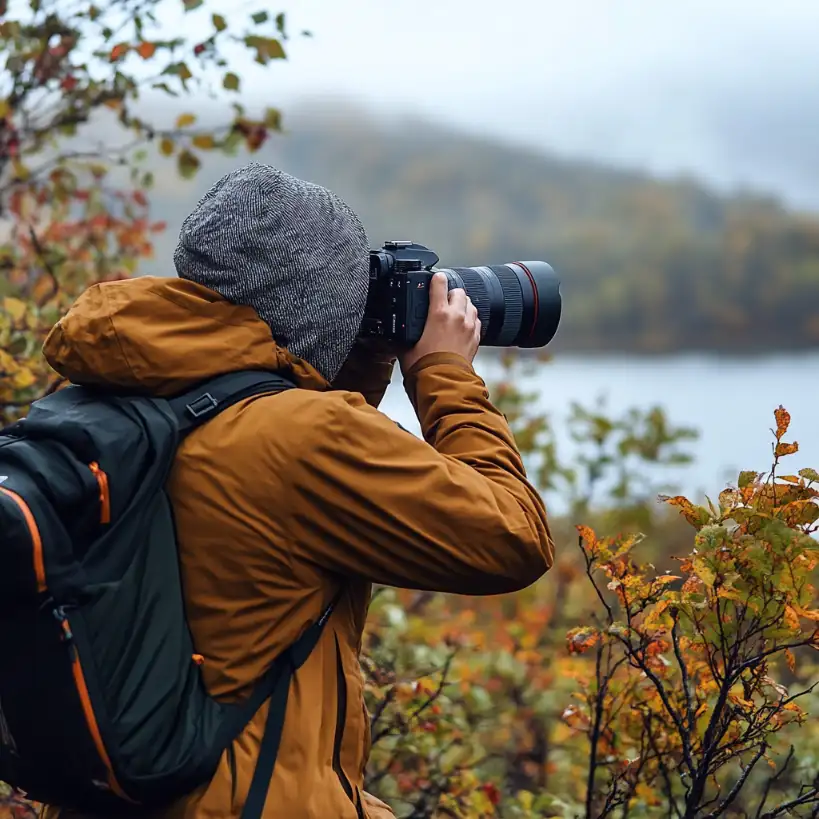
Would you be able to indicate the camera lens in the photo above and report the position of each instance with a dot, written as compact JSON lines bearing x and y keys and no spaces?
{"x":518,"y":303}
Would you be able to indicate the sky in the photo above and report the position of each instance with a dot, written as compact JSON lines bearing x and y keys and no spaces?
{"x":726,"y":90}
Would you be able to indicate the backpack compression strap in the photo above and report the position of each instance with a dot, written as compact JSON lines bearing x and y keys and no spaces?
{"x":205,"y":401}
{"x":277,"y":683}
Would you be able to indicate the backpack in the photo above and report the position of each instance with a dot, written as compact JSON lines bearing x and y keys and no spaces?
{"x":102,"y":705}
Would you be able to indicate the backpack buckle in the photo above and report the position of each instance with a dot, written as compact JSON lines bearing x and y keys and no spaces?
{"x":205,"y":403}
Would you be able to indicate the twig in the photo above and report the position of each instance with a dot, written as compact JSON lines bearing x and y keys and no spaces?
{"x":739,"y":785}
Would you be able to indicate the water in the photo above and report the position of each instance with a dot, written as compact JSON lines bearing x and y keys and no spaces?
{"x":730,"y":402}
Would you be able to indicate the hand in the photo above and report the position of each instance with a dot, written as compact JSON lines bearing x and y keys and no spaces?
{"x":452,"y":325}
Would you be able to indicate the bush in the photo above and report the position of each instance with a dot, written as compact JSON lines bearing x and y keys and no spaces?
{"x":614,"y":689}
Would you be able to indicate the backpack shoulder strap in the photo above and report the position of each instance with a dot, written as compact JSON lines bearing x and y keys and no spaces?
{"x":205,"y":401}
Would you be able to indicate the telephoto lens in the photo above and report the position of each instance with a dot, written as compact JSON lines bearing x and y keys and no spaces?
{"x":518,"y":303}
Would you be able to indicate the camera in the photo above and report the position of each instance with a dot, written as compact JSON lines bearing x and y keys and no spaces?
{"x":518,"y":303}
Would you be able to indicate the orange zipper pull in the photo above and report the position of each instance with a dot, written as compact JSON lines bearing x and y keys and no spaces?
{"x":105,"y":497}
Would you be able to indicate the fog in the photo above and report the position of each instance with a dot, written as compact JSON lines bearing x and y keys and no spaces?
{"x":725,"y":91}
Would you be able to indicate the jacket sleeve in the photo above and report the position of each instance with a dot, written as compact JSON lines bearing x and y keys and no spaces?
{"x":454,"y":513}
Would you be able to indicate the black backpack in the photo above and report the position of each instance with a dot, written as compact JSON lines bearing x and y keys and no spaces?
{"x":102,"y":705}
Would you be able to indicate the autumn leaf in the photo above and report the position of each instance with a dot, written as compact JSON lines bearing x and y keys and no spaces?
{"x":697,"y":516}
{"x":790,"y":660}
{"x":231,"y":81}
{"x":185,"y":120}
{"x":204,"y":141}
{"x":15,"y":308}
{"x":118,"y":52}
{"x":783,"y":449}
{"x":587,"y":534}
{"x":166,"y":146}
{"x":791,"y":618}
{"x":783,"y":420}
{"x":267,"y":48}
{"x":580,"y":640}
{"x":146,"y":50}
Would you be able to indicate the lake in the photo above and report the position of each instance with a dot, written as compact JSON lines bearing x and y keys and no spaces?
{"x":730,"y":401}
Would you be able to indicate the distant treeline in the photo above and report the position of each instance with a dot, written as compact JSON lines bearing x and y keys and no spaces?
{"x":646,"y":266}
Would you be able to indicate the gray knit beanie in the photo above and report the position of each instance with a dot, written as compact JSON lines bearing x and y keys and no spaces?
{"x":291,"y":250}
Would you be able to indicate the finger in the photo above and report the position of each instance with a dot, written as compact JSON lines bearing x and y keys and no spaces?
{"x":458,"y":299}
{"x":478,"y":331}
{"x":438,"y":295}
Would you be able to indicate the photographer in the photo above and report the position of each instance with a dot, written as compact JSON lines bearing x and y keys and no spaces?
{"x":284,"y":501}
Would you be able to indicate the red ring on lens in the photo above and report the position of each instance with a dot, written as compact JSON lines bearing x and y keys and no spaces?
{"x":536,"y":300}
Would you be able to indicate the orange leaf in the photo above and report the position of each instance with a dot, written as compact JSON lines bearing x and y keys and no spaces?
{"x":587,"y":533}
{"x":146,"y":50}
{"x":783,"y":420}
{"x":118,"y":52}
{"x":792,"y":618}
{"x":786,"y":449}
{"x":790,"y":660}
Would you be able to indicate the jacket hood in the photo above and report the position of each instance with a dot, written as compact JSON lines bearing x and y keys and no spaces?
{"x":163,"y":336}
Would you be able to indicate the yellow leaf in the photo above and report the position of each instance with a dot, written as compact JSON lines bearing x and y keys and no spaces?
{"x":166,"y":146}
{"x":184,"y":120}
{"x":23,"y":379}
{"x":5,"y":109}
{"x":204,"y":141}
{"x":15,"y":308}
{"x":790,"y":660}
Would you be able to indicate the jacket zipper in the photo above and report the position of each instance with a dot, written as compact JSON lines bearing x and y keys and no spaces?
{"x":341,"y":718}
{"x":87,"y":707}
{"x":105,"y":495}
{"x":36,"y":540}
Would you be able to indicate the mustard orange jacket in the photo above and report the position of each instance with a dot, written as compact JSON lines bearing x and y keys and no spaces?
{"x":285,"y":498}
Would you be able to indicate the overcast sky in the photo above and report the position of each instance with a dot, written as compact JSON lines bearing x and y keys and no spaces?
{"x":727,"y":90}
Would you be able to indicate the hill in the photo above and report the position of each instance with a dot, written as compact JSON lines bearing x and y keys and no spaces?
{"x":647,"y":265}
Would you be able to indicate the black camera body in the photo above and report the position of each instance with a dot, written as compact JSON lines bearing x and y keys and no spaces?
{"x":398,"y":298}
{"x":518,"y":303}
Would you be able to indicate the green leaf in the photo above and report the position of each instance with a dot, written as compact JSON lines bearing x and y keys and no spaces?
{"x":190,"y":5}
{"x":273,"y":119}
{"x":188,"y":164}
{"x":231,"y":81}
{"x":280,"y":21}
{"x":180,"y":70}
{"x":219,"y":22}
{"x":267,"y":48}
{"x":746,"y":479}
{"x":163,"y":86}
{"x":259,"y":17}
{"x":809,"y":474}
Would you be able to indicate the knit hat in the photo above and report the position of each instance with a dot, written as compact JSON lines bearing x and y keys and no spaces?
{"x":291,"y":250}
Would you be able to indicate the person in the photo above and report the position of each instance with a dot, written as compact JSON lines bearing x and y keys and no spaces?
{"x":284,"y":499}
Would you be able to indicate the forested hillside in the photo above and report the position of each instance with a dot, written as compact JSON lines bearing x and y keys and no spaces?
{"x":647,"y":266}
